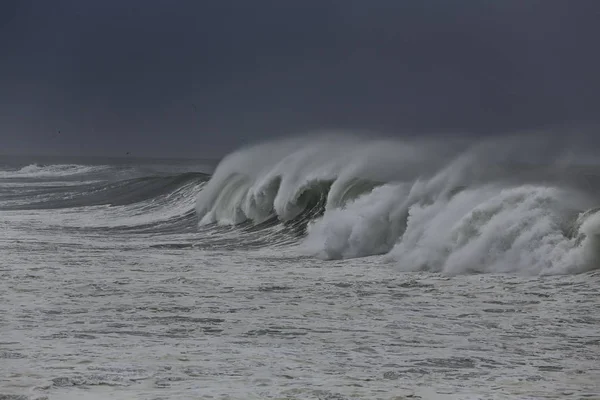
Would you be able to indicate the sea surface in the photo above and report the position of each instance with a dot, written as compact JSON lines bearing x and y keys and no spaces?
{"x":287,"y":272}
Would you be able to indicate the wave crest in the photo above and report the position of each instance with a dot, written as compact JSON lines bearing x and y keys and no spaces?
{"x":491,"y":207}
{"x":53,"y":171}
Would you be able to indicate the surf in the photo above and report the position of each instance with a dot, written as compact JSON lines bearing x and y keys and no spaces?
{"x":33,"y":171}
{"x":103,"y":197}
{"x":511,"y":205}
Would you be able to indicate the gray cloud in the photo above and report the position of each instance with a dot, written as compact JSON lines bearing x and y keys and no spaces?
{"x":193,"y":77}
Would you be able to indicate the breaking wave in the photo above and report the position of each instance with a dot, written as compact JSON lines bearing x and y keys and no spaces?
{"x":53,"y":171}
{"x":506,"y":206}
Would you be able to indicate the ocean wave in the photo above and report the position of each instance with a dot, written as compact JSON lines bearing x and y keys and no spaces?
{"x":118,"y":193}
{"x":503,"y":206}
{"x":171,"y":211}
{"x":53,"y":171}
{"x":273,"y":179}
{"x":157,"y":204}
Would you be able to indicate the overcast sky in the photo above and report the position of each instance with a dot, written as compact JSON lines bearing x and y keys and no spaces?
{"x":196,"y":78}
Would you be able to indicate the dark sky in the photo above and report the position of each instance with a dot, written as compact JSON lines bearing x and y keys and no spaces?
{"x":196,"y":78}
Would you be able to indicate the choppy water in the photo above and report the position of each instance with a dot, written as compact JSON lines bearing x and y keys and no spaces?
{"x":112,"y":290}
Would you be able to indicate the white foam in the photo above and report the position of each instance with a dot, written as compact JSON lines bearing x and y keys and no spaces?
{"x":55,"y":170}
{"x":440,"y":210}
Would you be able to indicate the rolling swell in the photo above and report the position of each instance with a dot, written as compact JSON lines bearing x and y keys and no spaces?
{"x":503,"y":206}
{"x":42,"y":171}
{"x":104,"y":197}
{"x":120,"y":193}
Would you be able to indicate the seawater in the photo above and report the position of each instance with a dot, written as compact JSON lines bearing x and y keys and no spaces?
{"x":288,"y":272}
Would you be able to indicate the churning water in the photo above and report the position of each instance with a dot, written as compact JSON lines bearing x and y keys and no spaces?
{"x":331,"y":268}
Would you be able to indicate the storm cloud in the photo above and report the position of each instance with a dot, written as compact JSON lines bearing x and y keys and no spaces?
{"x":195,"y":78}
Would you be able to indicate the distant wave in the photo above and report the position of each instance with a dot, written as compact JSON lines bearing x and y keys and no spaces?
{"x":504,"y":206}
{"x":120,"y":198}
{"x":52,"y":171}
{"x":118,"y":193}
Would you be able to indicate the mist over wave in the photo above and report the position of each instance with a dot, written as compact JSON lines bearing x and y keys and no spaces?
{"x":511,"y":205}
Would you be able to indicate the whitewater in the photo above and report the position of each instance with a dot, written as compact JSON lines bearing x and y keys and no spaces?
{"x":329,"y":266}
{"x":487,"y":209}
